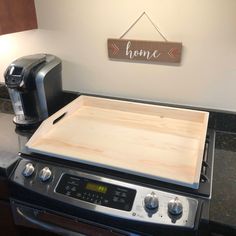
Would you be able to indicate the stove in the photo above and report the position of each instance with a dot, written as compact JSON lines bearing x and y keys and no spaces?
{"x":60,"y":196}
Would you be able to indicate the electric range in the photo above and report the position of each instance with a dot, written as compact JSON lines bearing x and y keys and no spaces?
{"x":71,"y":198}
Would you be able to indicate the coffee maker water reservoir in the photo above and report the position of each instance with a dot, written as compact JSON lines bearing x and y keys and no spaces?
{"x":35,"y":88}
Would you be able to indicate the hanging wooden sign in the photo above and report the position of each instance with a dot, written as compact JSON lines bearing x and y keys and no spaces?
{"x":148,"y":51}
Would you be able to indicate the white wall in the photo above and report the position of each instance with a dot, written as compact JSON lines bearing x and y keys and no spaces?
{"x":77,"y":31}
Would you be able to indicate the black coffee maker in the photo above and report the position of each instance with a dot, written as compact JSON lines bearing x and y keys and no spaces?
{"x":35,"y":87}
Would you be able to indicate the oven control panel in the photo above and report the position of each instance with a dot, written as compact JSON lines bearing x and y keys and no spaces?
{"x":107,"y":195}
{"x":96,"y":192}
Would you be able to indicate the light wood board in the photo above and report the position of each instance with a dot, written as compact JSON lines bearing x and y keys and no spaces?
{"x":157,"y":142}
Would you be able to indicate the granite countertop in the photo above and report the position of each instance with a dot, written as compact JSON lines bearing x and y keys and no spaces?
{"x":9,"y":145}
{"x":223,"y":202}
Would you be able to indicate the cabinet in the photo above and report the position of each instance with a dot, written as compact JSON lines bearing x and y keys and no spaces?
{"x":7,"y":225}
{"x":17,"y":15}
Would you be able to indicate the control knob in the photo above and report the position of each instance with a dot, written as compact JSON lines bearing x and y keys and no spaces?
{"x":29,"y":170}
{"x":45,"y":174}
{"x":175,"y":206}
{"x":151,"y":201}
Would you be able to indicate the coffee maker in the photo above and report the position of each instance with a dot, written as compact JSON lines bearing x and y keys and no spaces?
{"x":35,"y":87}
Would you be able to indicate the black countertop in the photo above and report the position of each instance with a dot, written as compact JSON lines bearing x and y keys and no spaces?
{"x":223,"y":202}
{"x":9,"y":144}
{"x":222,"y":205}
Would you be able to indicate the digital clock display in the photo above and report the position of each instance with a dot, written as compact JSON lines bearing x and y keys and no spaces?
{"x":96,"y":187}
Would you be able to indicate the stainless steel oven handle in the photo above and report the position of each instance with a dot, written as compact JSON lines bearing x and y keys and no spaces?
{"x":49,"y":227}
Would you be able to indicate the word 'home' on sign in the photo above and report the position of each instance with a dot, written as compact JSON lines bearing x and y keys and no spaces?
{"x":141,"y":53}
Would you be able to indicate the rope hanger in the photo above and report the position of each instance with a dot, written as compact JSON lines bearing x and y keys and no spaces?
{"x":135,"y":22}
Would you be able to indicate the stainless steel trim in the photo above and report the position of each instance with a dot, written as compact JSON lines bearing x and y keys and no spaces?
{"x":52,"y":62}
{"x":213,"y":161}
{"x":138,"y":213}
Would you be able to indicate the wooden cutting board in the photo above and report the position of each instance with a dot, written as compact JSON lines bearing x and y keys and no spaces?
{"x":158,"y":142}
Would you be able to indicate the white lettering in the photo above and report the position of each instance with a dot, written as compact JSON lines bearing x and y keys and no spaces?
{"x":141,"y":53}
{"x":128,"y":52}
{"x":156,"y":54}
{"x":136,"y":53}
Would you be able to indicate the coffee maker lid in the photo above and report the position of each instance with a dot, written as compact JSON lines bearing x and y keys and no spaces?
{"x":18,"y":72}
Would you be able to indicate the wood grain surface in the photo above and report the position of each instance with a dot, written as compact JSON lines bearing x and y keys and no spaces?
{"x":157,"y":142}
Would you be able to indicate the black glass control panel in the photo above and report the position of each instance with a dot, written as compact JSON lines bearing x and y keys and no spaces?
{"x":96,"y":192}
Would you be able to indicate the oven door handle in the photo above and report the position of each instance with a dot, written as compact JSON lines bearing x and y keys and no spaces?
{"x":53,"y":228}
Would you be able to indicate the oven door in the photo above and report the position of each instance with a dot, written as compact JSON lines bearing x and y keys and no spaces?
{"x":61,"y":224}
